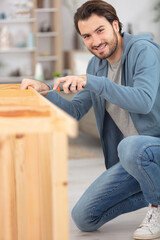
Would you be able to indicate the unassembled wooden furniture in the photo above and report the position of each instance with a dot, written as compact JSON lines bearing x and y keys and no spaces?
{"x":33,"y":166}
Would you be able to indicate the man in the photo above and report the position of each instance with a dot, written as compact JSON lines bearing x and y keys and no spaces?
{"x":123,"y":86}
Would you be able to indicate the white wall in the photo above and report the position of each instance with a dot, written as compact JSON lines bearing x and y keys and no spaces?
{"x":139,"y":13}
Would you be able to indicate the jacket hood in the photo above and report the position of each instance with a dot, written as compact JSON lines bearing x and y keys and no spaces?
{"x":129,"y":40}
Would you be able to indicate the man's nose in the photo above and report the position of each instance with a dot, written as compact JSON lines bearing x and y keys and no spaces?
{"x":96,"y":41}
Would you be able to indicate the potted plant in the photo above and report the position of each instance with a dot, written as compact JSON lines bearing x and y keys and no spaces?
{"x":56,"y":75}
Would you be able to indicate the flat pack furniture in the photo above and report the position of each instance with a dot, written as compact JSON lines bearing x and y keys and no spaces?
{"x":33,"y":166}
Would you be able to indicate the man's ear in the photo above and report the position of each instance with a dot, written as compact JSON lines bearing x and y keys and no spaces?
{"x":115,"y":25}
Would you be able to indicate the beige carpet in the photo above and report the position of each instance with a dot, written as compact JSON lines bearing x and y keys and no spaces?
{"x":77,"y":151}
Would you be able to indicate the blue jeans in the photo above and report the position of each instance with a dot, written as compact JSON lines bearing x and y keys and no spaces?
{"x":140,"y":157}
{"x":124,"y":187}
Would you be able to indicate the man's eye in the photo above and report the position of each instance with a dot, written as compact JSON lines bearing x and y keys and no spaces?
{"x":100,"y":30}
{"x":86,"y":36}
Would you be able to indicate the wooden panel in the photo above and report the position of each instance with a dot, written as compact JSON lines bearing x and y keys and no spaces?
{"x":60,"y":183}
{"x":8,"y":217}
{"x":27,"y":186}
{"x":46,"y":186}
{"x":33,"y":174}
{"x":26,"y":125}
{"x":24,"y":111}
{"x":8,"y":101}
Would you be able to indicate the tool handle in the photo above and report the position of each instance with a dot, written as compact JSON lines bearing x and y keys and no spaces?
{"x":60,"y":87}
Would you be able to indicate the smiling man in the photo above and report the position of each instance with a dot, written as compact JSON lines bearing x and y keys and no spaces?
{"x":122,"y":84}
{"x":104,"y":41}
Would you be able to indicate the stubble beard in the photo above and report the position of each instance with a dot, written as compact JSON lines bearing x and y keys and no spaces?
{"x":112,"y":48}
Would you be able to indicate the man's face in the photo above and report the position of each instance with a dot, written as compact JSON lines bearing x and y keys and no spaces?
{"x":99,"y":36}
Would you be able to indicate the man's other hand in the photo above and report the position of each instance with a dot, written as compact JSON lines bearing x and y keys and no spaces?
{"x":37,"y":85}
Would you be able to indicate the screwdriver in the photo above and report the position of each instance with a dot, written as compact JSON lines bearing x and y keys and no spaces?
{"x":51,"y":90}
{"x":59,"y":89}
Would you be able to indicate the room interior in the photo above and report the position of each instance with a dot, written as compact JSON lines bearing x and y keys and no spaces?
{"x":38,"y":41}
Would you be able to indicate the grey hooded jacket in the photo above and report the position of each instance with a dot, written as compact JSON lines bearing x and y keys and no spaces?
{"x":139,"y":93}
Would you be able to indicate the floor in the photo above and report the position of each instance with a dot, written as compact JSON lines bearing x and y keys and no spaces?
{"x":81,"y":173}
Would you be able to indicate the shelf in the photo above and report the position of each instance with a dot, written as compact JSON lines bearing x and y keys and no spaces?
{"x":49,"y":43}
{"x":17,"y":50}
{"x":47,"y":58}
{"x":46,"y":34}
{"x":18,"y":20}
{"x":46,"y":10}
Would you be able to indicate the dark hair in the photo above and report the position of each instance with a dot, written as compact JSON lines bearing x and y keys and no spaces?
{"x":98,"y":7}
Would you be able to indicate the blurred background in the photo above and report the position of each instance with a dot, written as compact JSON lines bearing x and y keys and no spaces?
{"x":136,"y":16}
{"x":38,"y":39}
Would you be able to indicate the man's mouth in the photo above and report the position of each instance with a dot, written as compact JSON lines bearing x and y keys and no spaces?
{"x":100,"y":47}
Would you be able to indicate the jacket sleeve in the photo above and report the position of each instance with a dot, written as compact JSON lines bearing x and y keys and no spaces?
{"x":77,"y":107}
{"x":144,"y":66}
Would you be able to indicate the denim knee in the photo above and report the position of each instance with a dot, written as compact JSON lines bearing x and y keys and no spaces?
{"x":128,"y":150}
{"x":135,"y":152}
{"x":83,"y":221}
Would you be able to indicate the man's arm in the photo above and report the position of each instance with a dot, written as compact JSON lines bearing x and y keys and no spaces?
{"x":76,"y":108}
{"x":138,"y":96}
{"x":70,"y":84}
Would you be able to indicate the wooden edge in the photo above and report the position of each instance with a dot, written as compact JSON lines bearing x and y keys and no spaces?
{"x":25,"y":125}
{"x":15,"y":93}
{"x":60,"y":119}
{"x":9,"y":86}
{"x":72,"y":124}
{"x":19,"y":107}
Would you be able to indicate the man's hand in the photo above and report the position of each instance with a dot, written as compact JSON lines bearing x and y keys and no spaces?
{"x":71,"y":83}
{"x":37,"y":85}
